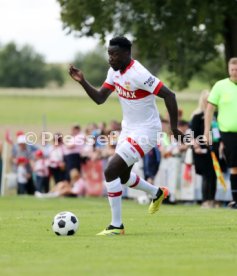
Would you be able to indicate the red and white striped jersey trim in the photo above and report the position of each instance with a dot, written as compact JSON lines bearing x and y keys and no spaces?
{"x":132,"y":95}
{"x":158,"y":87}
{"x":109,"y":86}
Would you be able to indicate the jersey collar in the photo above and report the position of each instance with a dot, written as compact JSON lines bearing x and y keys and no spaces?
{"x":128,"y":67}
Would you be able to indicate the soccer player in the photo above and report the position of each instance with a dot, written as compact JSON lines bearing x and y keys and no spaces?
{"x":136,"y":88}
{"x":224,"y":97}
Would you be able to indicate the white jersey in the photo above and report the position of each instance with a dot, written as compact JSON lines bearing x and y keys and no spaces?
{"x":136,"y":88}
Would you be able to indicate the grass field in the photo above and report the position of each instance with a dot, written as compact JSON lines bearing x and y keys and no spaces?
{"x":180,"y":240}
{"x":27,"y":111}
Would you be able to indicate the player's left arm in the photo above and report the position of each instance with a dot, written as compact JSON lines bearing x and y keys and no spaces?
{"x":172,"y":107}
{"x":152,"y":84}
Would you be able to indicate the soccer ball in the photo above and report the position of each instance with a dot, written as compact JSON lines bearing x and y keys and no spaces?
{"x":143,"y":200}
{"x":65,"y":224}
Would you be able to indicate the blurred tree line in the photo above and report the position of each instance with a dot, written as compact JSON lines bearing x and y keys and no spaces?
{"x":94,"y":65}
{"x":25,"y":68}
{"x":22,"y":67}
{"x":181,"y":36}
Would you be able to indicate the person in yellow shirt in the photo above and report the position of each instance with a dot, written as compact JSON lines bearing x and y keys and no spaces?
{"x":223,"y":96}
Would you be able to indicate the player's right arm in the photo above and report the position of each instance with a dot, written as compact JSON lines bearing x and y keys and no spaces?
{"x":98,"y":96}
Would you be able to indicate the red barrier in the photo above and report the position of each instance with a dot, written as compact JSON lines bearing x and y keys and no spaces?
{"x":94,"y":177}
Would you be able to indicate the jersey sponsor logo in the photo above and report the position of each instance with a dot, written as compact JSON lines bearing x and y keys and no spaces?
{"x":149,"y":81}
{"x":130,"y":95}
{"x":127,"y":85}
{"x":125,"y":93}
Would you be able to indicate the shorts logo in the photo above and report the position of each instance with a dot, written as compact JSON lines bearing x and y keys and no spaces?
{"x":150,"y":81}
{"x":125,"y":154}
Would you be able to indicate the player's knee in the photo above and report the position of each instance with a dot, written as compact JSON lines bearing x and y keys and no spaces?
{"x":124,"y":178}
{"x":110,"y":173}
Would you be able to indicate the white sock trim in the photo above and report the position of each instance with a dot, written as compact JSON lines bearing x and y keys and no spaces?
{"x":132,"y":180}
{"x":114,"y":189}
{"x":114,"y":186}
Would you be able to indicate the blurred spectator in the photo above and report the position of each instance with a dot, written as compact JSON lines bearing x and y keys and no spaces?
{"x":74,"y":188}
{"x":202,"y":157}
{"x":19,"y":133}
{"x":45,"y":146}
{"x":114,"y":126}
{"x":88,"y":146}
{"x":170,"y":161}
{"x":151,"y":163}
{"x":22,"y":149}
{"x":56,"y":162}
{"x":22,"y":175}
{"x":184,"y":126}
{"x":41,"y":170}
{"x":72,"y":150}
{"x":99,"y":132}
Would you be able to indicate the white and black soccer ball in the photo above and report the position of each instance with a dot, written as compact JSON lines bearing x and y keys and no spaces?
{"x":65,"y":224}
{"x":143,"y":200}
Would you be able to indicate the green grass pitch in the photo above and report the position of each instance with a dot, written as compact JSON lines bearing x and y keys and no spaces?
{"x":179,"y":240}
{"x":28,"y":111}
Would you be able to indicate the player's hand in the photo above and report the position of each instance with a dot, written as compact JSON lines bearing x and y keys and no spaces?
{"x":178,"y":135}
{"x":76,"y":74}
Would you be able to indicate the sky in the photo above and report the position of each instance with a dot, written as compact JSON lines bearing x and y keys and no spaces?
{"x":37,"y":23}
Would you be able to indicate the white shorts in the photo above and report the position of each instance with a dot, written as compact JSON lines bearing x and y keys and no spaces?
{"x":134,"y":144}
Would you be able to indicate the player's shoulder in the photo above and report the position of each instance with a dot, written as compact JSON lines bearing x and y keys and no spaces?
{"x":111,"y":71}
{"x":138,"y":66}
{"x":222,"y":82}
{"x":219,"y":86}
{"x":139,"y":70}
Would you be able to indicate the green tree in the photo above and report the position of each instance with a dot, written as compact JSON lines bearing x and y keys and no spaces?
{"x":93,"y":64}
{"x":182,"y":35}
{"x":21,"y":67}
{"x":55,"y":74}
{"x":213,"y":71}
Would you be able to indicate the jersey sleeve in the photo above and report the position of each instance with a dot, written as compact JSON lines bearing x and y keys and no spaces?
{"x":109,"y":83}
{"x":146,"y":81}
{"x":214,"y":96}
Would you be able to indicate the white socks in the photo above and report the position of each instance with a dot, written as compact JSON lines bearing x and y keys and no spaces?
{"x":114,"y":189}
{"x":138,"y":183}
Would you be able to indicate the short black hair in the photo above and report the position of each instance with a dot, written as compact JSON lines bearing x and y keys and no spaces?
{"x":121,"y":42}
